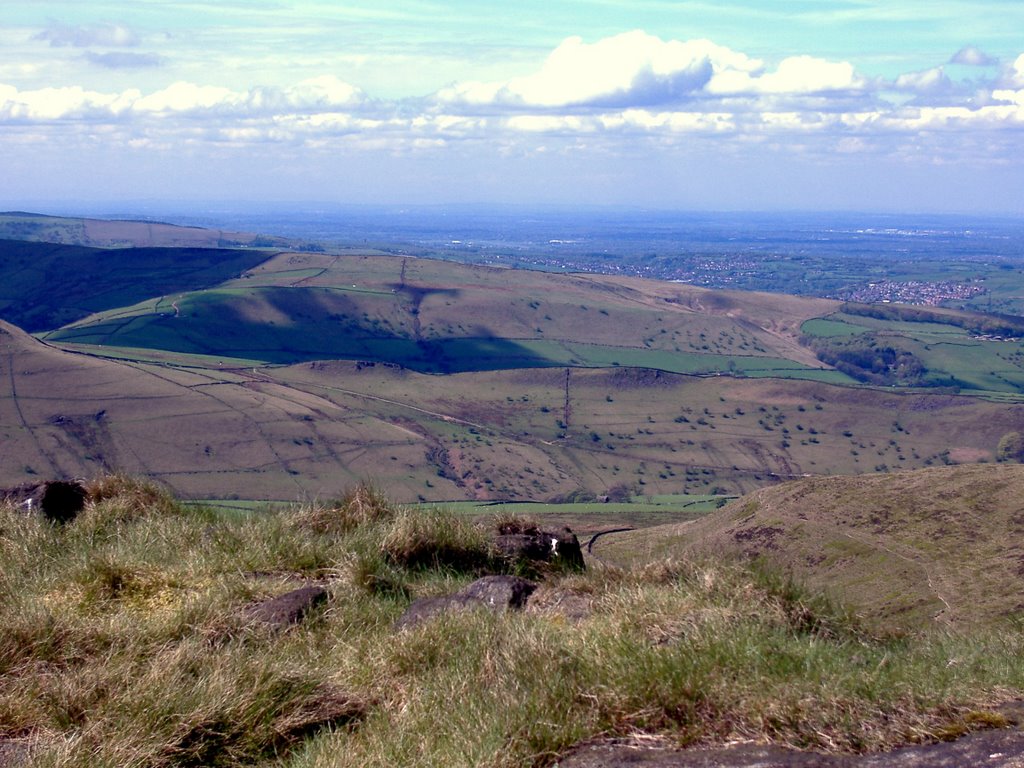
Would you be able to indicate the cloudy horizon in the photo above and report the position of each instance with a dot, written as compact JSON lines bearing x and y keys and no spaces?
{"x":830,"y":105}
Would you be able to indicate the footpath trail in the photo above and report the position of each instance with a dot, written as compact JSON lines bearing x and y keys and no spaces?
{"x":945,"y":615}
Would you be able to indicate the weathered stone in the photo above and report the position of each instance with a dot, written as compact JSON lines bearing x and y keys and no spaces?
{"x":613,"y":755}
{"x":996,"y":748}
{"x":499,"y":592}
{"x":59,"y":501}
{"x":560,"y":548}
{"x":495,"y":593}
{"x":15,"y":753}
{"x":287,"y":609}
{"x":524,"y":546}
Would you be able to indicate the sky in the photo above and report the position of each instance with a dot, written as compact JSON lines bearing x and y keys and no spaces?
{"x":868,"y":105}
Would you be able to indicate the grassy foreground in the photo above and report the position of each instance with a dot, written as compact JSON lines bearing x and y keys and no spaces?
{"x":125,"y":643}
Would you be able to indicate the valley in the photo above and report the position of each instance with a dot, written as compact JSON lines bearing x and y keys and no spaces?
{"x":799,"y":517}
{"x":303,"y":373}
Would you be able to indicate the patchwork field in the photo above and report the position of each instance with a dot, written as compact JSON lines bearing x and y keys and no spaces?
{"x":950,"y":355}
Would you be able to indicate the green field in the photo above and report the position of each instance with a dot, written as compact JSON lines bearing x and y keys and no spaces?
{"x":953,"y":358}
{"x":832,"y":326}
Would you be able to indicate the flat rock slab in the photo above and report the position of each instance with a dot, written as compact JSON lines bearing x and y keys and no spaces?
{"x":984,"y":749}
{"x":15,"y":753}
{"x":495,"y":593}
{"x":741,"y":756}
{"x":59,"y":501}
{"x":287,"y":609}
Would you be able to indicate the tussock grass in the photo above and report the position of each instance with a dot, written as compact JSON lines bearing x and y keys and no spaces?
{"x":118,"y":497}
{"x":508,"y":522}
{"x":435,"y":538}
{"x":124,"y":644}
{"x":361,"y":505}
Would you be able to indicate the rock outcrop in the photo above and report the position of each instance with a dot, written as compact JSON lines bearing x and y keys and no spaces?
{"x":290,"y":608}
{"x":494,"y":593}
{"x":533,"y":545}
{"x":58,"y":501}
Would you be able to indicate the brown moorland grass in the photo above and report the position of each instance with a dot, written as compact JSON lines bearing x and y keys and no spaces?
{"x":942,"y":546}
{"x":125,"y":644}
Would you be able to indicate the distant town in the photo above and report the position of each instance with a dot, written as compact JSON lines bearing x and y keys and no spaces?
{"x":746,"y":273}
{"x":917,"y":292}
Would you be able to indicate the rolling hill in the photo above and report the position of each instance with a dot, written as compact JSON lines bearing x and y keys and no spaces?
{"x":205,"y":433}
{"x":450,"y":381}
{"x":944,"y":545}
{"x":101,"y":233}
{"x":44,"y":286}
{"x":212,"y":427}
{"x":440,"y":317}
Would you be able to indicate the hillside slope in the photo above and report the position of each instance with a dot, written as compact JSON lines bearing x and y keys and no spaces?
{"x":103,"y":233}
{"x":44,"y":286}
{"x":941,"y":545}
{"x":203,"y":433}
{"x":145,"y":632}
{"x":442,"y":317}
{"x":216,"y":427}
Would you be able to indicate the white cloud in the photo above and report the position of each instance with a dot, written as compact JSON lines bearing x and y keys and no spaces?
{"x":1011,"y":96}
{"x":929,"y":81}
{"x":324,"y":92}
{"x":105,"y":35}
{"x":124,"y":60}
{"x":188,"y":97}
{"x":972,"y":56}
{"x":631,"y":69}
{"x":320,"y":95}
{"x":1018,"y":70}
{"x":926,"y":80}
{"x":796,"y":75}
{"x":628,"y":87}
{"x":965,"y":120}
{"x":640,"y":70}
{"x":48,"y":104}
